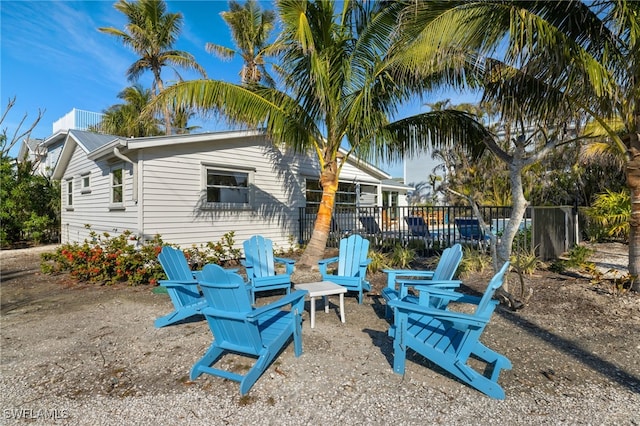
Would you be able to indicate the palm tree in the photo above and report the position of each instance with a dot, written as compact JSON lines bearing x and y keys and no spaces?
{"x":250,"y":29}
{"x":151,"y":32}
{"x":340,"y":91}
{"x":127,"y":119}
{"x":551,"y":60}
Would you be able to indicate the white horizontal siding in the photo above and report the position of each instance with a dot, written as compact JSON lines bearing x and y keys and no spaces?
{"x":92,"y":208}
{"x":173,"y":189}
{"x":170,"y":191}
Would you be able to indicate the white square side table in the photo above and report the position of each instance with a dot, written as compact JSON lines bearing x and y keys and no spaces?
{"x":324,"y":289}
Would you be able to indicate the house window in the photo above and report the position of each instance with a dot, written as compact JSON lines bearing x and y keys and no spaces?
{"x":117,"y":186}
{"x":345,"y":196}
{"x":70,"y":193}
{"x":86,"y":183}
{"x":228,"y":187}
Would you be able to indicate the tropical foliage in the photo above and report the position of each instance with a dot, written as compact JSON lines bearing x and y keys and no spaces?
{"x":546,"y":60}
{"x":250,"y":28}
{"x":341,"y":91}
{"x":151,"y":33}
{"x":33,"y":217}
{"x":127,"y":119}
{"x":609,"y":216}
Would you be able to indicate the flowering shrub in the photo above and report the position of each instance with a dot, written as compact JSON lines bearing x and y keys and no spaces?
{"x":221,"y":253}
{"x":124,"y":259}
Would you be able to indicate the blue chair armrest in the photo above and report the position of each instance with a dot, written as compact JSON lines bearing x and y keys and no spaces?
{"x":288,"y":262}
{"x":293,"y":298}
{"x":322,"y":264}
{"x":393,"y":274}
{"x":174,"y":283}
{"x":427,"y":285}
{"x":238,"y":316}
{"x":248,"y":269}
{"x":458,"y":318}
{"x":450,"y":295}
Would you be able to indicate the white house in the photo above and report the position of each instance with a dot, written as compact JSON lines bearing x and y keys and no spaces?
{"x":192,"y":189}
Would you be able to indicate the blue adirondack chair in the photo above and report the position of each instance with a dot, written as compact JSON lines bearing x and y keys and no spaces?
{"x":260,"y":266}
{"x":238,"y":328}
{"x":449,"y":338}
{"x":398,"y":280}
{"x":181,"y":285}
{"x":352,"y":265}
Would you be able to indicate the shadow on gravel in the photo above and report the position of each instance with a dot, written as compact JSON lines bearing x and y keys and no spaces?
{"x":12,"y":275}
{"x":594,"y":362}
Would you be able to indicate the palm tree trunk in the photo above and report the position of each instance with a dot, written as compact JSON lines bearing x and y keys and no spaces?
{"x":317,"y":243}
{"x":165,"y":107}
{"x":633,"y":183}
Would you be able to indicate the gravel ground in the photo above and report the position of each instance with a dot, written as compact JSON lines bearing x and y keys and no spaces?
{"x":86,"y":355}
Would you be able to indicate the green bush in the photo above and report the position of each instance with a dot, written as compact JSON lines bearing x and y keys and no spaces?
{"x":123,"y":259}
{"x":26,"y":217}
{"x":402,"y":257}
{"x":608,"y":216}
{"x":379,"y":261}
{"x":473,"y":261}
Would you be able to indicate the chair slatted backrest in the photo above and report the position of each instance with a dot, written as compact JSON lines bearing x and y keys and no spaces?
{"x":487,"y":305}
{"x":353,"y":252}
{"x":177,"y":268}
{"x":175,"y":264}
{"x":448,"y":264}
{"x":225,"y":292}
{"x":258,"y":252}
{"x":417,"y":226}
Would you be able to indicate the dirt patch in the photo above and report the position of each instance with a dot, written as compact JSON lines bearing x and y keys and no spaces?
{"x":77,"y":341}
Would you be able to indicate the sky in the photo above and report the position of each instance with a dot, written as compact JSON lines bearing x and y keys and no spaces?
{"x":54,"y":59}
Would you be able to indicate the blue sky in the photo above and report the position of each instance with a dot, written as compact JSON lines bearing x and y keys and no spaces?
{"x":53,"y":58}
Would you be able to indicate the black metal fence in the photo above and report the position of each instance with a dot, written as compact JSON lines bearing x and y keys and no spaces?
{"x":426,"y":229}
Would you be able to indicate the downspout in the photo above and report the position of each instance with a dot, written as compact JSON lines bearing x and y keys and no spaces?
{"x":121,"y":156}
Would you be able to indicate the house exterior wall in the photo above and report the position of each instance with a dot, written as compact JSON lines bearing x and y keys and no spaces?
{"x":91,"y":205}
{"x":170,"y":195}
{"x":172,"y":192}
{"x":51,"y":158}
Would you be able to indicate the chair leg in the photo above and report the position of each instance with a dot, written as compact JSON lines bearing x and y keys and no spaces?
{"x":399,"y":356}
{"x":297,"y":335}
{"x":255,"y":372}
{"x":209,"y":358}
{"x":174,"y":317}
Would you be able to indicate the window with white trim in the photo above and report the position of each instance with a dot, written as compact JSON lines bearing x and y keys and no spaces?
{"x":227,"y":187}
{"x":86,"y":183}
{"x":69,"y":193}
{"x":117,"y":185}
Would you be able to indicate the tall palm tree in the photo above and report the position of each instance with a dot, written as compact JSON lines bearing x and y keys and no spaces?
{"x":127,"y":119}
{"x":340,"y":91}
{"x":151,"y":32}
{"x":250,"y":28}
{"x":550,"y":60}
